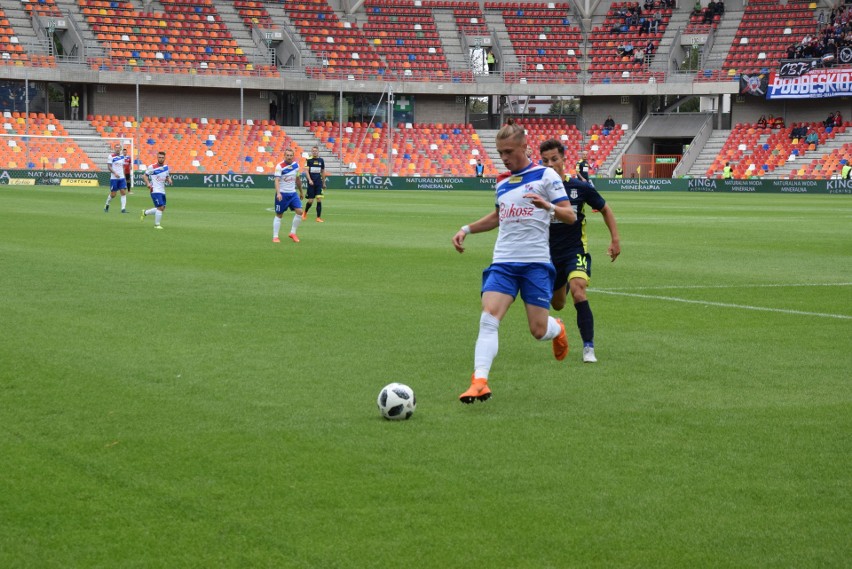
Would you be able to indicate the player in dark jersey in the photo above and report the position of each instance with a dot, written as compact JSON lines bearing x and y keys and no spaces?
{"x":316,"y":175}
{"x":569,"y":248}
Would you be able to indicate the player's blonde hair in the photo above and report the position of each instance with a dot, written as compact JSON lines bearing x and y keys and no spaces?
{"x":512,"y":130}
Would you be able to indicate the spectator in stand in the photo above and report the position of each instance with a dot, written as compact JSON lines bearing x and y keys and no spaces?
{"x":791,"y":51}
{"x":625,"y":50}
{"x":838,"y":119}
{"x":609,"y":123}
{"x":829,"y":121}
{"x":709,"y":12}
{"x":639,"y":56}
{"x":654,"y":26}
{"x":812,"y":138}
{"x":649,"y":48}
{"x":720,"y":8}
{"x":649,"y":5}
{"x":696,"y":10}
{"x":778,"y":122}
{"x":761,"y":122}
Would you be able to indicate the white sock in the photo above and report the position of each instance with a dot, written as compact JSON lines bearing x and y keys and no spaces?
{"x":553,"y":329}
{"x":276,"y":226}
{"x":123,"y":202}
{"x":150,"y":211}
{"x":158,"y":216}
{"x":109,"y":199}
{"x":297,"y":219}
{"x":486,"y":345}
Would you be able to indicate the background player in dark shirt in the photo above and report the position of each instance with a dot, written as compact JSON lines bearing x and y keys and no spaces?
{"x":569,"y":250}
{"x":316,"y":175}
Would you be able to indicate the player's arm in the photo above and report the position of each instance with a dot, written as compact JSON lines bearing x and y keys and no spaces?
{"x":299,"y":187}
{"x":278,"y":196}
{"x":324,"y":175}
{"x":147,"y":180}
{"x":561,"y":210}
{"x":481,"y":225}
{"x":614,"y":249}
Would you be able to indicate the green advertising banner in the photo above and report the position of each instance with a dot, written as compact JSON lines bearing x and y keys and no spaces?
{"x":368,"y":182}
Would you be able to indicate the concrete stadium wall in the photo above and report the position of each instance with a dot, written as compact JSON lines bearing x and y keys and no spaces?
{"x":596,"y":109}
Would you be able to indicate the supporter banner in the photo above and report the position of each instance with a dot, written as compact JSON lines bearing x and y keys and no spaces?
{"x":340,"y":183}
{"x":755,"y":85}
{"x":795,"y":67}
{"x":816,"y":84}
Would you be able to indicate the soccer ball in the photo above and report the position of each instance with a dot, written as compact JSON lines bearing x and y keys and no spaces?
{"x":396,"y":402}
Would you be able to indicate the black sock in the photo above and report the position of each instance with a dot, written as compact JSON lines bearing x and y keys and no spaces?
{"x":319,"y":208}
{"x":585,"y":322}
{"x":308,"y":207}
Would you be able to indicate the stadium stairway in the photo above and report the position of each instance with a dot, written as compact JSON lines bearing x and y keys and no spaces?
{"x":677,"y":22}
{"x":709,"y":152}
{"x":96,"y":150}
{"x":21,"y":23}
{"x":508,"y":59}
{"x":448,"y":33}
{"x":240,"y":33}
{"x":725,"y":32}
{"x":306,"y":139}
{"x":282,"y":18}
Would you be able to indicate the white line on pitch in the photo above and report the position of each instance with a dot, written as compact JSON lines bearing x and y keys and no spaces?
{"x":671,"y":287}
{"x":725,"y":304}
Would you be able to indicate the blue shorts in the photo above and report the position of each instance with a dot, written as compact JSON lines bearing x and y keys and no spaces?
{"x":116,"y":184}
{"x":289,"y":200}
{"x":533,"y":280}
{"x":158,"y":199}
{"x":574,"y":266}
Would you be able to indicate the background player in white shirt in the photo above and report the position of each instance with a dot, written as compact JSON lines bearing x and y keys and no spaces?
{"x":156,"y":177}
{"x":526,"y":198}
{"x":288,"y":180}
{"x":117,"y":182}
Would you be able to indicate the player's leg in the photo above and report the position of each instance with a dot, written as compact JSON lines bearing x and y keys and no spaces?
{"x":276,"y":227}
{"x":319,"y":207}
{"x":560,"y":285}
{"x":158,"y":216}
{"x":308,"y":203}
{"x":536,"y":287}
{"x":296,"y":206}
{"x":110,"y":195}
{"x":494,"y":308}
{"x":123,"y":200}
{"x":585,"y":319}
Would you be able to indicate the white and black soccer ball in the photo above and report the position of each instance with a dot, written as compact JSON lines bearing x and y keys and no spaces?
{"x":396,"y":402}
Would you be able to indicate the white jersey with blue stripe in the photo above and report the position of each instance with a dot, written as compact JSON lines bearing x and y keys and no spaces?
{"x":157,"y":175}
{"x":115,"y":164}
{"x":287,"y":174}
{"x":525,"y":229}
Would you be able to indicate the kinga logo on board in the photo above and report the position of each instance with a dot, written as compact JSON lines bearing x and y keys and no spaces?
{"x":702,"y":185}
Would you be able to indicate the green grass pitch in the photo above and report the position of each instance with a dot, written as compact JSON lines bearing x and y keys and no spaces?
{"x":202,"y":397}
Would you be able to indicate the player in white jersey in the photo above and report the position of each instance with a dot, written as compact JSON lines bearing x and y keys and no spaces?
{"x":288,"y":180}
{"x":527,"y":196}
{"x":117,"y":183}
{"x":156,"y":177}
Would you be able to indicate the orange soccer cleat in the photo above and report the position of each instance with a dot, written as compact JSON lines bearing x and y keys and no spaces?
{"x":296,"y":240}
{"x":560,"y":342}
{"x":478,"y":391}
